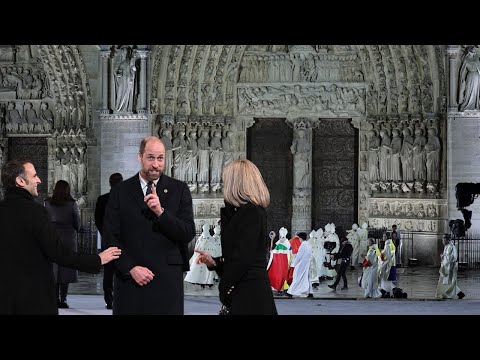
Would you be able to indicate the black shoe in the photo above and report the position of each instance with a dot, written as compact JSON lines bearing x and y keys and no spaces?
{"x":461,"y":295}
{"x":344,"y":288}
{"x":109,"y":306}
{"x":63,"y":305}
{"x":289,"y":295}
{"x":352,"y":267}
{"x":332,"y":287}
{"x":310,"y":295}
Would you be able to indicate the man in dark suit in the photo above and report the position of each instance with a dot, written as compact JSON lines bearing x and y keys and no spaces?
{"x":29,"y":244}
{"x":100,"y":207}
{"x":150,"y":217}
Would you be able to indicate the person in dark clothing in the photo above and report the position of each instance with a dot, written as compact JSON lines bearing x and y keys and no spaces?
{"x":108,"y":269}
{"x":344,"y":253}
{"x":65,"y":216}
{"x":244,"y":286}
{"x":29,"y":245}
{"x":150,"y":217}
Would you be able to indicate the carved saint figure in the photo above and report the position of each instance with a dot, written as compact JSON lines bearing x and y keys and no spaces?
{"x":373,"y":149}
{"x":469,"y":89}
{"x":432,"y":150}
{"x":406,"y":155}
{"x":124,"y":74}
{"x":300,"y":150}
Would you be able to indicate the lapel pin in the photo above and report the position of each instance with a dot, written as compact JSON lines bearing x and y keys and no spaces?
{"x":165,"y":191}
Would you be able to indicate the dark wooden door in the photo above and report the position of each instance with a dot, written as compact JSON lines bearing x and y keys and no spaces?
{"x":268,"y":147}
{"x":34,"y":149}
{"x":335,"y":183}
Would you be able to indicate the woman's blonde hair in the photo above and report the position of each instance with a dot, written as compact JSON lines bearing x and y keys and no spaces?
{"x":242,"y":183}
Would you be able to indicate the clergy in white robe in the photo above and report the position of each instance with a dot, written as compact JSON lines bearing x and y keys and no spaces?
{"x":370,"y":271}
{"x":447,"y":286}
{"x":199,"y":273}
{"x":388,"y":272}
{"x":301,"y":285}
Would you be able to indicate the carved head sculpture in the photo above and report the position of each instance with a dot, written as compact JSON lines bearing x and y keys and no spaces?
{"x":432,"y":131}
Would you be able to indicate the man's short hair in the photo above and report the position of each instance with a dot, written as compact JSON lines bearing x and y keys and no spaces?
{"x":11,"y":170}
{"x":115,"y":179}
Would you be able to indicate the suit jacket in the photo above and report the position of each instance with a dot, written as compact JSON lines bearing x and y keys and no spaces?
{"x":28,"y":246}
{"x":158,"y":243}
{"x":100,"y":208}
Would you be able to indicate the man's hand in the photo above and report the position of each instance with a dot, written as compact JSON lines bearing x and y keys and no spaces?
{"x":153,"y":202}
{"x":141,"y":275}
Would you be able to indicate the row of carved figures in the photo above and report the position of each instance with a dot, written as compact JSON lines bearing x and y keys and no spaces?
{"x":22,"y":117}
{"x":407,"y":209}
{"x":70,"y":165}
{"x":392,"y":156}
{"x":197,"y":156}
{"x":27,"y":83}
{"x":296,"y":67}
{"x":283,"y":99}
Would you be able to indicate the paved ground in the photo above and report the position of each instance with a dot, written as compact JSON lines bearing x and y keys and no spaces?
{"x":419,"y":282}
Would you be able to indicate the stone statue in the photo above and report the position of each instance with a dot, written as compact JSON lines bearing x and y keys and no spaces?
{"x":73,"y":180}
{"x":396,"y":174}
{"x":167,"y":142}
{"x":179,"y":151}
{"x":31,"y":117}
{"x":373,"y":149}
{"x":14,"y":121}
{"x":58,"y":165}
{"x":419,"y":170}
{"x":124,"y":74}
{"x":385,"y":155}
{"x":191,"y":160}
{"x":432,"y":150}
{"x":469,"y":82}
{"x":406,"y":155}
{"x":216,"y":160}
{"x":46,"y":115}
{"x":82,"y":170}
{"x":300,"y":150}
{"x":203,"y":160}
{"x":228,"y":149}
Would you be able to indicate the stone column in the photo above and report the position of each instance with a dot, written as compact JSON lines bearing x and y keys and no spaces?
{"x":112,"y":84}
{"x":104,"y":55}
{"x":302,"y":174}
{"x":452,"y":53}
{"x":142,"y":96}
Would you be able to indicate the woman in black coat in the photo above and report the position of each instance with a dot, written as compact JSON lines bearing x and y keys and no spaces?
{"x":244,"y":287}
{"x":65,"y":216}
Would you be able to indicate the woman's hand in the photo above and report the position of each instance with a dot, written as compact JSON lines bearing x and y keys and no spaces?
{"x":112,"y":253}
{"x":205,"y":258}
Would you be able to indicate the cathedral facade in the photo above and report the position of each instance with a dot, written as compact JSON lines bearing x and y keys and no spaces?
{"x":376,"y":134}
